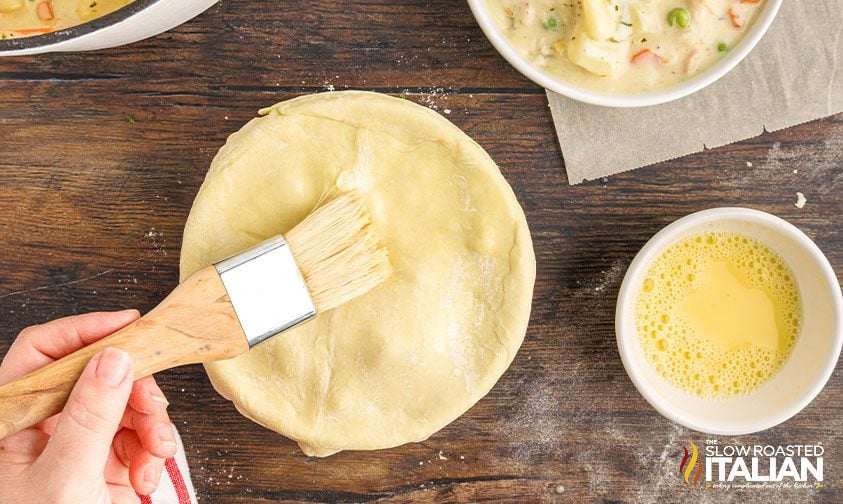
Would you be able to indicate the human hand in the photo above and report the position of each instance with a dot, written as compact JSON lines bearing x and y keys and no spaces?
{"x":113,"y":435}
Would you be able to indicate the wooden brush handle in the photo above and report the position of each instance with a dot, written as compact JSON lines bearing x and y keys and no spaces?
{"x":195,"y":323}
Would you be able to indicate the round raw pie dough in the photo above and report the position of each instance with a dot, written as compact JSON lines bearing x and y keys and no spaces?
{"x":401,"y":362}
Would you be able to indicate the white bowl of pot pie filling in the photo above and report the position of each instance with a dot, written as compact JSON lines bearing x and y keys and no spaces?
{"x":624,"y":53}
{"x":40,"y":26}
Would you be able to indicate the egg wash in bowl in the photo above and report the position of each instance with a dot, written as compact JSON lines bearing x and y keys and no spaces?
{"x":718,"y":314}
{"x":624,"y":46}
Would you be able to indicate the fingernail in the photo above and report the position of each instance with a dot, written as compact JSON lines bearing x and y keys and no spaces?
{"x":165,"y":434}
{"x":158,"y":397}
{"x":113,"y":366}
{"x":151,"y":476}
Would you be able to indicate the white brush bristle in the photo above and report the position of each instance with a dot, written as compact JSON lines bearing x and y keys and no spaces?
{"x":339,"y":252}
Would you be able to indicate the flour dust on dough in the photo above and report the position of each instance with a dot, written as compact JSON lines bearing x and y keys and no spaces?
{"x":403,"y":361}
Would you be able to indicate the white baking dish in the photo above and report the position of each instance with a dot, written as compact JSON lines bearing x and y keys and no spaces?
{"x":139,"y":20}
{"x":560,"y":85}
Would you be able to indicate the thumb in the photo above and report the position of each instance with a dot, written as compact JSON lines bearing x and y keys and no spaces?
{"x":91,"y":417}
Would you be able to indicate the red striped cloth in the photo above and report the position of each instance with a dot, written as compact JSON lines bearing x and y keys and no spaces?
{"x":175,"y":486}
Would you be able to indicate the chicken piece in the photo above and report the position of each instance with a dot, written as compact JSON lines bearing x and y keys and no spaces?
{"x":526,"y":14}
{"x":692,"y":62}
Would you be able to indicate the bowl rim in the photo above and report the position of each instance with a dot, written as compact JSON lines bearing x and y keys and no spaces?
{"x":626,"y":294}
{"x":680,"y":90}
{"x":72,"y":32}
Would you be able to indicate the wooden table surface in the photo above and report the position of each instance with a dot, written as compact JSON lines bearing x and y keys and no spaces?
{"x":92,"y":208}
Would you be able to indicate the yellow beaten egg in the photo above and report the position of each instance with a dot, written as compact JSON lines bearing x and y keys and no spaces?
{"x":718,"y":314}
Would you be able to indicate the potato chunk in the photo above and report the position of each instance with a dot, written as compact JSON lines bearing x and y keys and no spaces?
{"x":598,"y":57}
{"x":10,"y":5}
{"x":601,"y":20}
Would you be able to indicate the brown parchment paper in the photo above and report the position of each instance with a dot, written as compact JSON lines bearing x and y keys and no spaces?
{"x":792,"y":76}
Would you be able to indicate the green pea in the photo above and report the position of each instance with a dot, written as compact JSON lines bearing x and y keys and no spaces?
{"x":679,"y":16}
{"x":722,"y":47}
{"x":551,"y":24}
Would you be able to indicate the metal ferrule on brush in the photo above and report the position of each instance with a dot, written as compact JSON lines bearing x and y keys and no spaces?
{"x":266,"y":289}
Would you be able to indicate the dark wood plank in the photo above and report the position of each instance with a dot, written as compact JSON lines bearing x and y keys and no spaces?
{"x":299,"y":44}
{"x":93,"y":208}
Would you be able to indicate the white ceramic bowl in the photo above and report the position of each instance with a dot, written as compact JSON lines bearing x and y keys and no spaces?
{"x":803,"y":374}
{"x":139,"y":20}
{"x":684,"y":88}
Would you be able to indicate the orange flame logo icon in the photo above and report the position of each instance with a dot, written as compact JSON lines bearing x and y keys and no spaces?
{"x":689,"y":463}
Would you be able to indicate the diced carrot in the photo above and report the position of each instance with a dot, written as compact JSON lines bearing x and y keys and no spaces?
{"x":750,"y":1}
{"x":32,"y":31}
{"x":45,"y":11}
{"x":737,"y":22}
{"x":645,"y":55}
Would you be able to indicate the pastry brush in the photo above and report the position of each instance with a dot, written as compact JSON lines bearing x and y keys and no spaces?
{"x":333,"y":256}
